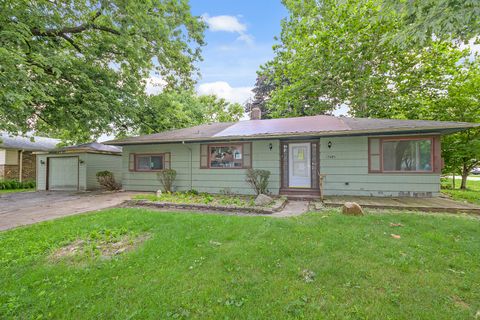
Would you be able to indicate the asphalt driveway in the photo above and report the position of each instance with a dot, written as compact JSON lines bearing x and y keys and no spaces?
{"x":23,"y":208}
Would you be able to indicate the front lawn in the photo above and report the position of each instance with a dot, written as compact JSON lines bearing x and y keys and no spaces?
{"x":182,"y":265}
{"x":471,"y":195}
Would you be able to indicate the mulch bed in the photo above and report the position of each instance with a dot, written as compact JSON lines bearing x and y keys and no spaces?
{"x":276,"y":207}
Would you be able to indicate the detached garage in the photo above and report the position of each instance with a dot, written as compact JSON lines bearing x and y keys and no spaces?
{"x":74,"y":168}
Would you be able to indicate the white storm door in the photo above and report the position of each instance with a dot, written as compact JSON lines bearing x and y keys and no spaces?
{"x":299,"y":165}
{"x":63,"y":173}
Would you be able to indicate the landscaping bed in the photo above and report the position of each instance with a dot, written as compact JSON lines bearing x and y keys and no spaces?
{"x":206,"y":202}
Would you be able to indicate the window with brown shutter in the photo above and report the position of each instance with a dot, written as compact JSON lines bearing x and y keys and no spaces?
{"x":404,"y":155}
{"x":226,"y":156}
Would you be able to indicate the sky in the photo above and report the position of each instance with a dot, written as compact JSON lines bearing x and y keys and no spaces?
{"x":239,"y":39}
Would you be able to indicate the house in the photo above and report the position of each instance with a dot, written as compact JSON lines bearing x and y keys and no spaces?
{"x":75,"y":167}
{"x":17,"y":158}
{"x":346,"y":156}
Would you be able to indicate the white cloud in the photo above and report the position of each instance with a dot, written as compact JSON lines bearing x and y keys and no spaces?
{"x":247,"y":38}
{"x":224,"y":23}
{"x":228,"y":24}
{"x":155,"y":85}
{"x":223,"y":90}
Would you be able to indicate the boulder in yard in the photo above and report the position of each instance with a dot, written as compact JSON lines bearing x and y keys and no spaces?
{"x":159,"y":193}
{"x":352,"y":209}
{"x":263,"y":200}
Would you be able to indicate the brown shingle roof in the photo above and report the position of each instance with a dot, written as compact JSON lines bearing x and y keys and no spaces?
{"x":313,"y":126}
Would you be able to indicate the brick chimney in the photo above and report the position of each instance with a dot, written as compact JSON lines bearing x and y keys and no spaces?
{"x":256,"y":114}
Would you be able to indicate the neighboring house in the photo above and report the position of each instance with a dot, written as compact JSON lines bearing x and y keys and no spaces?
{"x":17,"y":160}
{"x":75,"y":167}
{"x":368,"y":157}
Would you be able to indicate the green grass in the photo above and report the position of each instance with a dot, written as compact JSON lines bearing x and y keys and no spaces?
{"x":15,"y":190}
{"x":202,"y":198}
{"x":233,"y":267}
{"x":471,"y":195}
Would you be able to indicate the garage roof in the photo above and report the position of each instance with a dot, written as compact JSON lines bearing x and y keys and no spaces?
{"x":92,"y":147}
{"x":312,"y":126}
{"x":28,"y":143}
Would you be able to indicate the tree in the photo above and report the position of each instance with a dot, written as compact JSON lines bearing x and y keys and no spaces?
{"x":461,"y":102}
{"x":262,"y":90}
{"x":174,"y":109}
{"x":331,"y":52}
{"x":425,"y":20}
{"x":78,"y":69}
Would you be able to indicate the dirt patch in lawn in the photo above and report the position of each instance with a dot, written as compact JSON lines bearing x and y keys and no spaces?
{"x":103,"y":247}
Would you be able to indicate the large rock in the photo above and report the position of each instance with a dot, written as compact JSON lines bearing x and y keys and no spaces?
{"x":263,"y":200}
{"x":352,"y":209}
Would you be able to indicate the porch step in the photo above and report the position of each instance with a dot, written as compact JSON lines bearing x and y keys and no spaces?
{"x":302,"y":197}
{"x":301,"y":194}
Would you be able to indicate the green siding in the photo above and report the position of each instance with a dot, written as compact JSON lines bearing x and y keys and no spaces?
{"x":345,"y":165}
{"x":101,"y":162}
{"x":190,"y":176}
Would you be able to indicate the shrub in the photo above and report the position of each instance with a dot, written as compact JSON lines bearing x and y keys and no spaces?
{"x":107,"y":181}
{"x":258,"y":179}
{"x":192,"y":192}
{"x":14,"y":184}
{"x":167,"y":177}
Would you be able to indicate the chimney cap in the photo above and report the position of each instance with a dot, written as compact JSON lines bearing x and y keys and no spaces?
{"x":256,"y":113}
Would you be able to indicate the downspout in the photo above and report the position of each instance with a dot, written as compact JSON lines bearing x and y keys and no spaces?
{"x":20,"y":170}
{"x":191,"y":164}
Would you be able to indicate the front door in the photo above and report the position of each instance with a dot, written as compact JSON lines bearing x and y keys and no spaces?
{"x":299,"y":165}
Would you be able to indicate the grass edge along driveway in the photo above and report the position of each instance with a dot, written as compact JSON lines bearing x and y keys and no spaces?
{"x":320,"y":265}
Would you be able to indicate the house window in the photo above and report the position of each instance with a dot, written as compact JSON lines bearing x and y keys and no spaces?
{"x":149,"y":162}
{"x":401,"y":155}
{"x":226,"y":156}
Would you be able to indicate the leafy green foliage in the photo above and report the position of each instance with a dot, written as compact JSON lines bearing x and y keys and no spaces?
{"x":15,"y":184}
{"x":218,"y":267}
{"x":258,"y":180}
{"x":78,"y":69}
{"x":335,"y":53}
{"x":182,"y":108}
{"x":167,"y":178}
{"x":426,"y":19}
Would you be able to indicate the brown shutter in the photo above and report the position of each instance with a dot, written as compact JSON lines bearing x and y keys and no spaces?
{"x":204,"y":156}
{"x":247,"y":155}
{"x":131,"y":162}
{"x":374,"y":158}
{"x":166,"y":160}
{"x":284,"y":162}
{"x":315,"y":166}
{"x":437,"y":155}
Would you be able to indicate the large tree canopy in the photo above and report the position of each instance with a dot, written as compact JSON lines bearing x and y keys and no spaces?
{"x":77,"y":68}
{"x":334,"y":53}
{"x":176,"y":109}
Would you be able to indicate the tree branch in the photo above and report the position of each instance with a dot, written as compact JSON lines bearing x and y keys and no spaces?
{"x":78,"y":29}
{"x":70,"y":40}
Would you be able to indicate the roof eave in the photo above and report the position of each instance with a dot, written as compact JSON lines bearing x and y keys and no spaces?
{"x":436,"y":130}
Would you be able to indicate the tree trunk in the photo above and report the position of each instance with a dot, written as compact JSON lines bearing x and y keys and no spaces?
{"x":465,"y":172}
{"x":453,"y":181}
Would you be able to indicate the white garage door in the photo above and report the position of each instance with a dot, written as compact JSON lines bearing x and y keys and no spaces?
{"x":63,"y":173}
